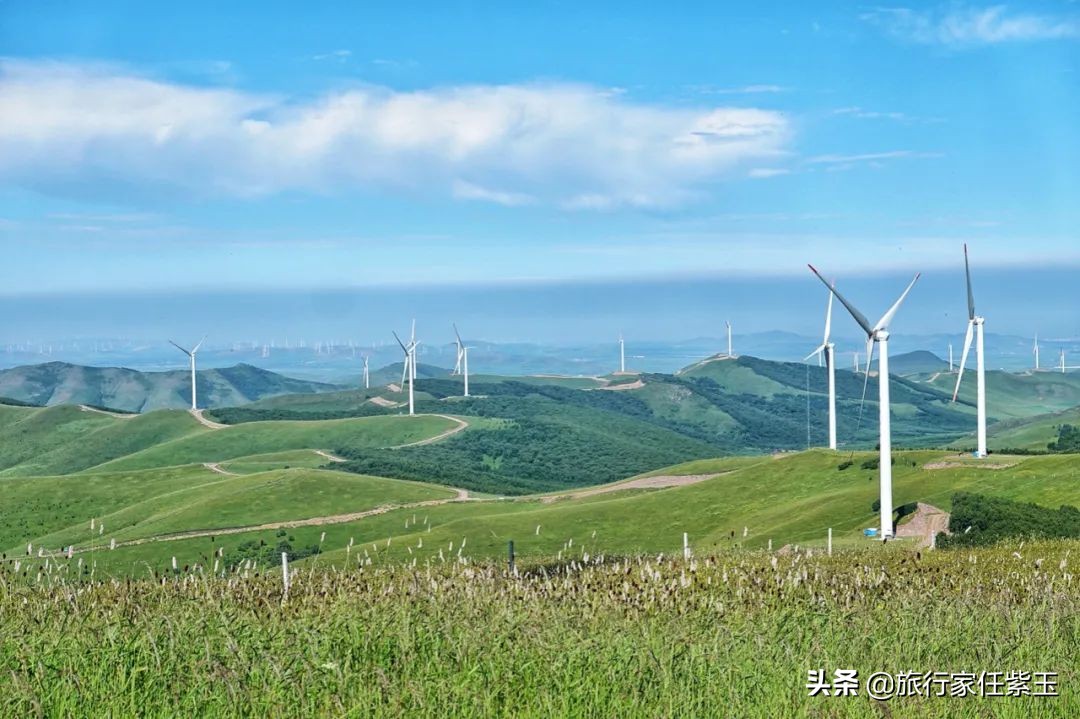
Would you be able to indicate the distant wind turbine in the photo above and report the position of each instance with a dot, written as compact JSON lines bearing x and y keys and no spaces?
{"x":1035,"y":351}
{"x":826,"y":350}
{"x":730,"y":353}
{"x":462,"y":365}
{"x":878,"y":334}
{"x":950,"y":359}
{"x":191,"y":355}
{"x":410,"y":358}
{"x":622,"y":354}
{"x":367,"y":375}
{"x":975,"y":325}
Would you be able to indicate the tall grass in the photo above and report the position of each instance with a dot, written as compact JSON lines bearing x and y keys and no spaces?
{"x":731,"y":635}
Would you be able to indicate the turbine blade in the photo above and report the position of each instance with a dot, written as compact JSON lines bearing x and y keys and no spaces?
{"x":828,"y":320}
{"x":963,"y":358}
{"x":866,"y":379}
{"x":858,"y":316}
{"x":971,"y":296}
{"x":198,"y":345}
{"x":457,"y":334}
{"x":403,"y":348}
{"x":179,"y":348}
{"x":818,"y":351}
{"x":886,"y":318}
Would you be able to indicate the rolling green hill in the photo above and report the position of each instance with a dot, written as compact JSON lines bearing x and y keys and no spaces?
{"x":788,"y":500}
{"x":56,"y":511}
{"x":1011,"y":395}
{"x":56,"y":383}
{"x":262,"y":437}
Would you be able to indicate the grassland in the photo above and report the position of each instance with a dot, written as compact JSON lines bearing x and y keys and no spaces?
{"x":727,"y":635}
{"x":793,"y":499}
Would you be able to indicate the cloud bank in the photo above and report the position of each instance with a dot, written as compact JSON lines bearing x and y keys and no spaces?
{"x":966,"y":26}
{"x":70,"y":127}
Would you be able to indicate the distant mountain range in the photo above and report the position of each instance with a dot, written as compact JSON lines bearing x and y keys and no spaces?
{"x":134,"y":391}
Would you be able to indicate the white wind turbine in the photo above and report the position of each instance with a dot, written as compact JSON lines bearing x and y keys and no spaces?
{"x":622,"y":355}
{"x":461,"y":367}
{"x":975,"y":325}
{"x":367,"y":375}
{"x":827,"y":350}
{"x":191,"y":355}
{"x":878,"y":335}
{"x":950,"y":359}
{"x":1035,"y":351}
{"x":729,"y":351}
{"x":407,"y":370}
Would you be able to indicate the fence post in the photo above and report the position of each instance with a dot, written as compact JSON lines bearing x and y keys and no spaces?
{"x":770,"y":545}
{"x":685,"y":546}
{"x":830,"y":541}
{"x":510,"y":556}
{"x":285,"y":572}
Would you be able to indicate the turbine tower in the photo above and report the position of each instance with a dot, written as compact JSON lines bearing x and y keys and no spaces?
{"x":622,"y":355}
{"x":1063,"y":361}
{"x":878,"y":335}
{"x":462,"y":365}
{"x":827,"y":349}
{"x":729,"y":352}
{"x":975,"y":325}
{"x":407,"y":371}
{"x":950,"y":359}
{"x":367,"y":376}
{"x":1035,"y":351}
{"x":191,"y":355}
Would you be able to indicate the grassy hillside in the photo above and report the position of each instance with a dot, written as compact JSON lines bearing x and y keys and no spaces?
{"x":262,"y":437}
{"x":1033,"y":433}
{"x":791,"y":500}
{"x":56,"y":511}
{"x":1013,"y":395}
{"x":56,"y":383}
{"x":103,"y":439}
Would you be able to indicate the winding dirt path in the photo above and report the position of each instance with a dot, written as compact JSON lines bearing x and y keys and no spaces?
{"x":461,"y":424}
{"x":329,"y":456}
{"x":460,"y":495}
{"x":657,"y":482}
{"x":198,"y":415}
{"x":215,"y":467}
{"x":107,"y":413}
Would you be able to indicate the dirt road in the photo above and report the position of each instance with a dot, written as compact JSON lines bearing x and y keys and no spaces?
{"x":198,"y":415}
{"x":927,"y":521}
{"x":657,"y":482}
{"x":461,"y":424}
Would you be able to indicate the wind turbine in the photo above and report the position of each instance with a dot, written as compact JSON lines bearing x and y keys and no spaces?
{"x":1035,"y":351}
{"x":878,"y":334}
{"x":622,"y":355}
{"x":191,"y":354}
{"x":367,"y":376}
{"x":950,"y":359}
{"x":975,"y":325}
{"x":407,"y":369}
{"x":1062,"y":361}
{"x":827,"y":349}
{"x":462,"y":366}
{"x":729,"y":352}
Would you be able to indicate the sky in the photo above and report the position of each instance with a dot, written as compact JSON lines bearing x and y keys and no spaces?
{"x":282,"y":147}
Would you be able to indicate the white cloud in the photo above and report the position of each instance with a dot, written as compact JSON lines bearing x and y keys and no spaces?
{"x":867,"y":159}
{"x":862,"y":114}
{"x":66,"y":126}
{"x":967,"y":26}
{"x":765,"y":172}
{"x":744,"y":90}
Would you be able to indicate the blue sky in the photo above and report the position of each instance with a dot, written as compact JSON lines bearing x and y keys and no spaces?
{"x":279,"y":145}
